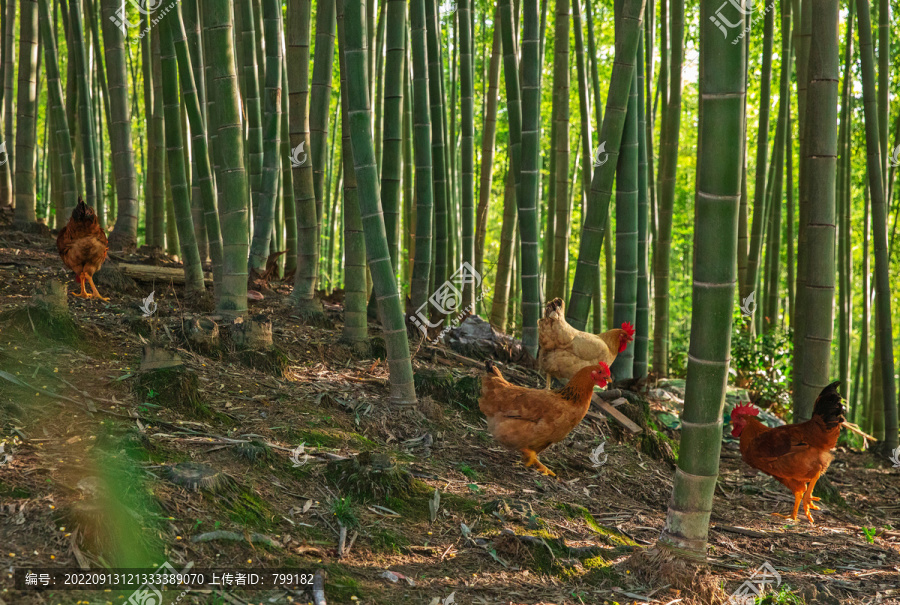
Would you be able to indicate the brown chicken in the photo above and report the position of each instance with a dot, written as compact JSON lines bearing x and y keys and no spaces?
{"x":83,"y":246}
{"x":565,"y":350}
{"x":795,"y":454}
{"x":529,"y":420}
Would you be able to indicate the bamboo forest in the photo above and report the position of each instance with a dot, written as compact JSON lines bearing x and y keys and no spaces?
{"x":449,"y":302}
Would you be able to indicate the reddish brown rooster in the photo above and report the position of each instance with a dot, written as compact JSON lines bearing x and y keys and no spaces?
{"x":529,"y":420}
{"x":795,"y":454}
{"x":83,"y":247}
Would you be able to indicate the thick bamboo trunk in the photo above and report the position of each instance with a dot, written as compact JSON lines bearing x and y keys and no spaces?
{"x":26,"y":109}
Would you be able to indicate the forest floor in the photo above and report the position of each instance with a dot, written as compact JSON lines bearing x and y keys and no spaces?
{"x":101,"y":466}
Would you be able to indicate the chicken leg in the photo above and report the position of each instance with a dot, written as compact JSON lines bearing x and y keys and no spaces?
{"x":529,"y":457}
{"x":83,"y":293}
{"x":808,"y":497}
{"x":93,"y":288}
{"x":798,"y":497}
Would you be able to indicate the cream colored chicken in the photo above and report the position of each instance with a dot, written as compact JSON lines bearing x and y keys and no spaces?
{"x":565,"y":350}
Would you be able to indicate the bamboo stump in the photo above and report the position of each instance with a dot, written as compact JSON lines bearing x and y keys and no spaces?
{"x":252,"y":338}
{"x":164,"y":379}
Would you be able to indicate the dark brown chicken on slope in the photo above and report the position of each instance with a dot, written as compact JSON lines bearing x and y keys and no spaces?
{"x":83,"y":247}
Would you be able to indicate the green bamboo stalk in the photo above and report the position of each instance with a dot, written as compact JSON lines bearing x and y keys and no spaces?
{"x":231,"y":175}
{"x":500,"y":302}
{"x":92,"y":193}
{"x":352,"y":37}
{"x":625,"y":296}
{"x":61,"y":139}
{"x":561,"y":81}
{"x":670,"y":125}
{"x":584,"y":103}
{"x":488,"y":141}
{"x":596,"y":297}
{"x":843,"y":210}
{"x":642,"y":310}
{"x":409,"y":209}
{"x":391,"y":156}
{"x":26,"y":106}
{"x":304,"y":196}
{"x":879,"y":223}
{"x":124,"y":235}
{"x":884,"y":83}
{"x":440,"y":163}
{"x":524,"y":134}
{"x":320,"y":98}
{"x":467,"y":126}
{"x":7,"y":20}
{"x":354,"y":245}
{"x":821,"y":160}
{"x":199,"y":146}
{"x":802,"y":46}
{"x":754,"y":259}
{"x":610,"y":136}
{"x":422,"y":149}
{"x":264,"y":216}
{"x":156,"y":140}
{"x":190,"y":256}
{"x":378,"y":75}
{"x":286,"y":183}
{"x":250,"y":91}
{"x":718,"y":192}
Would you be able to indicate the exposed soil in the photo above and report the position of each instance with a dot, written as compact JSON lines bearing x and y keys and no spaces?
{"x":103,"y":468}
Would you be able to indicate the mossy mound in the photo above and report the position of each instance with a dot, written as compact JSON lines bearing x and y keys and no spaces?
{"x":254,"y":451}
{"x":176,"y":387}
{"x":272,"y":361}
{"x":446,"y":386}
{"x":47,"y":315}
{"x":370,"y":476}
{"x":653,"y":441}
{"x":195,"y":477}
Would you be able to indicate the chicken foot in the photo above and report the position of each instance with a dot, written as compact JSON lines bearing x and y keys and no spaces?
{"x":808,"y":498}
{"x":529,"y":457}
{"x":83,"y":293}
{"x":93,"y":288}
{"x":798,"y":497}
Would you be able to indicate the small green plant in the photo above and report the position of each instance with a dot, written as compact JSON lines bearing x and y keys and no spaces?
{"x":342,"y":509}
{"x":468,"y":471}
{"x":762,"y":365}
{"x":870,"y":534}
{"x":783,"y":595}
{"x":473,"y":487}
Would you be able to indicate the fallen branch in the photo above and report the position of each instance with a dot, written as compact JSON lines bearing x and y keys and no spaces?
{"x":855,"y":429}
{"x":235,"y":537}
{"x":740,"y":530}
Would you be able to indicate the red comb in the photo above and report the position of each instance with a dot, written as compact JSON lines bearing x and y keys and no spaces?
{"x":629,"y":329}
{"x":746,"y":409}
{"x":604,"y":367}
